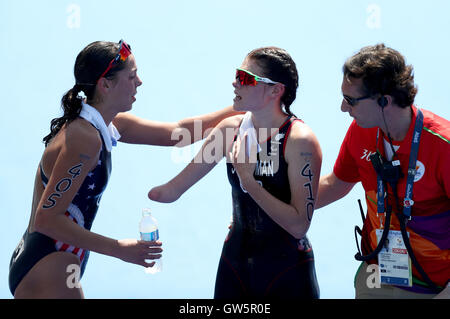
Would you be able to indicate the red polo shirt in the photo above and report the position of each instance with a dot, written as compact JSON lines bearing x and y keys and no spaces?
{"x":429,"y":227}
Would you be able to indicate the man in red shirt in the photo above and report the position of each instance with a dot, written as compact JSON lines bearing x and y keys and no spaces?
{"x":389,"y":140}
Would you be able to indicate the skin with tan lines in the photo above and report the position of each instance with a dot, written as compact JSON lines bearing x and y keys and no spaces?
{"x":68,"y":158}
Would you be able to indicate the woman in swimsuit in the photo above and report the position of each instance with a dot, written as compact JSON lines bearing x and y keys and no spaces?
{"x":273,"y":166}
{"x":74,"y":171}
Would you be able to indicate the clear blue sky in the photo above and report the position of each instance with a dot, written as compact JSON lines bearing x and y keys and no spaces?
{"x":186,"y":53}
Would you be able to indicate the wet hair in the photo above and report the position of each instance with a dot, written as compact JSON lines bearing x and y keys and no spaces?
{"x":90,"y":63}
{"x":277,"y":65}
{"x":383,"y":72}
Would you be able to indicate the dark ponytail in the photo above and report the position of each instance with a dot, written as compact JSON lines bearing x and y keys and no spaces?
{"x":91,"y":62}
{"x":71,"y":104}
{"x":278,"y":66}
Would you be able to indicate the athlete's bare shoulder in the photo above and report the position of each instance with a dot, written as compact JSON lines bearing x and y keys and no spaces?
{"x":82,"y":136}
{"x":78,"y":137}
{"x":301,"y":132}
{"x":302,"y":139}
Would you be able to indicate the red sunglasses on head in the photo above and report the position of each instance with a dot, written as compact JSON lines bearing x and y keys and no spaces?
{"x":124,"y":52}
{"x":247,"y":78}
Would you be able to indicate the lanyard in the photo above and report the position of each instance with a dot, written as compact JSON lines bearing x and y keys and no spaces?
{"x":407,"y":202}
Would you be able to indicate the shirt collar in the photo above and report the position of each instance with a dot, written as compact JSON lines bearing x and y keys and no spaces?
{"x":109,"y":133}
{"x":405,"y":144}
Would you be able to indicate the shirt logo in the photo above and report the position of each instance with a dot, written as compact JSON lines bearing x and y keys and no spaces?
{"x":420,"y":171}
{"x":279,"y":136}
{"x":367,"y":155}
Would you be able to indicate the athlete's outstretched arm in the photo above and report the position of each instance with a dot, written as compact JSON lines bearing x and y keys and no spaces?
{"x":135,"y":130}
{"x":213,"y":150}
{"x":331,"y":188}
{"x":304,"y":159}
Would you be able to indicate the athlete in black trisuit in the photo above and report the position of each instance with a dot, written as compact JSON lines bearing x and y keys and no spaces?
{"x":274,"y":176}
{"x":74,"y":171}
{"x":259,"y":258}
{"x":82,"y":210}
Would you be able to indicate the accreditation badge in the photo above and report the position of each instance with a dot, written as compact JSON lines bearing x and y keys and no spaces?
{"x":393,"y":260}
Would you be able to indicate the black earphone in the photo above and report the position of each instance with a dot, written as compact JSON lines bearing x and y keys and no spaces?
{"x":382,"y":101}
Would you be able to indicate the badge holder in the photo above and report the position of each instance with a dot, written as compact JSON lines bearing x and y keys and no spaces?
{"x":393,"y":260}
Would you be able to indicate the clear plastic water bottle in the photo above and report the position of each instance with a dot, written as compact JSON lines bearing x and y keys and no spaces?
{"x":148,"y":227}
